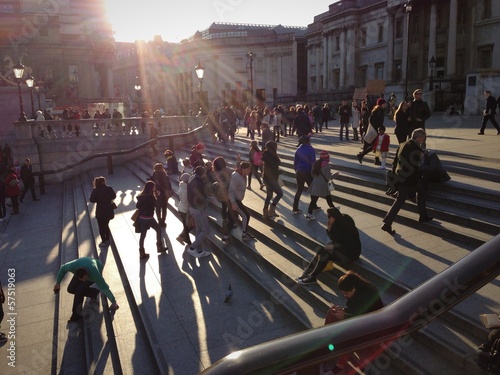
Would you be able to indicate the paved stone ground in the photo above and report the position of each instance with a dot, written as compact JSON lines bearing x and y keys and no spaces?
{"x":29,"y":244}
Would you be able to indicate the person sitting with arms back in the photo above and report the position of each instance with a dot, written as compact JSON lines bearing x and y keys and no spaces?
{"x":344,"y":248}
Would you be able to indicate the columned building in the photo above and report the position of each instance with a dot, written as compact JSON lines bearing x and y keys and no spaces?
{"x":445,"y":47}
{"x":239,"y":59}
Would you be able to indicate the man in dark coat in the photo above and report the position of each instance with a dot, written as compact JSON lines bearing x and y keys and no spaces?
{"x":301,"y":123}
{"x":489,"y":113}
{"x":406,"y":167}
{"x":28,"y":180}
{"x":419,"y":111}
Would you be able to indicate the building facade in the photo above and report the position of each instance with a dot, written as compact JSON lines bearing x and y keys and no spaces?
{"x":445,"y":47}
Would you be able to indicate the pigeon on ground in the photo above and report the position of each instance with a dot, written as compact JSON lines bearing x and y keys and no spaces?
{"x":229,"y":294}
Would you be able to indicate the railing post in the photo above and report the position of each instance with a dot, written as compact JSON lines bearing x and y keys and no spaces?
{"x":41,"y":182}
{"x":110,"y":164}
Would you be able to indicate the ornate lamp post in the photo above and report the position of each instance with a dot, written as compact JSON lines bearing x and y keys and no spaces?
{"x":407,"y":8}
{"x":37,"y":90}
{"x":432,"y":65}
{"x":200,"y":72}
{"x":251,"y":56}
{"x":30,"y":82}
{"x":137,"y":89}
{"x":18,"y":73}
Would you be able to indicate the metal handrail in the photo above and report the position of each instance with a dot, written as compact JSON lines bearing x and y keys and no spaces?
{"x":109,"y":155}
{"x":392,"y":324}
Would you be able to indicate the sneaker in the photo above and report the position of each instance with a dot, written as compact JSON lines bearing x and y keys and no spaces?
{"x":481,"y":133}
{"x":246,"y":236}
{"x":225,"y":240}
{"x":297,"y":211}
{"x":380,"y":167}
{"x":310,"y":216}
{"x":193,"y":252}
{"x":204,"y":253}
{"x":307,"y":281}
{"x":360,"y":158}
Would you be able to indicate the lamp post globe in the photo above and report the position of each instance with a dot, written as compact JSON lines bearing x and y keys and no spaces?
{"x":200,"y":72}
{"x":30,"y":82}
{"x":19,"y":73}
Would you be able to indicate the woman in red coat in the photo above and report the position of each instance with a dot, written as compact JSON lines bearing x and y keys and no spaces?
{"x":12,"y":189}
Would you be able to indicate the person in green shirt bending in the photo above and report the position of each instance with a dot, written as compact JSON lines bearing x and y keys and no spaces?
{"x":86,"y":271}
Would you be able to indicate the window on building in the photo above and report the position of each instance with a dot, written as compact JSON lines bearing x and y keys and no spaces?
{"x":397,"y":71}
{"x":274,"y":63}
{"x":336,"y":78}
{"x":399,"y":28}
{"x":486,"y":9}
{"x":379,"y":71}
{"x":362,"y":37}
{"x":461,"y":10}
{"x":380,"y":33}
{"x":484,"y":56}
{"x":414,"y":24}
{"x":413,"y":69}
{"x":361,"y":76}
{"x":460,"y":63}
{"x":313,"y":83}
{"x":337,"y":43}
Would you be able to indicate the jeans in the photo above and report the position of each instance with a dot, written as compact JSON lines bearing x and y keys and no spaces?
{"x":272,"y":186}
{"x":346,"y":126}
{"x":80,"y":289}
{"x":201,"y":227}
{"x":302,"y":177}
{"x":145,"y":225}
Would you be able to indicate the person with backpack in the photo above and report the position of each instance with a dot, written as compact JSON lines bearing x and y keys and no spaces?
{"x":255,"y":158}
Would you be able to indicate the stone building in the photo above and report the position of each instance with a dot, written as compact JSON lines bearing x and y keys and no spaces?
{"x":445,"y":47}
{"x":66,"y":46}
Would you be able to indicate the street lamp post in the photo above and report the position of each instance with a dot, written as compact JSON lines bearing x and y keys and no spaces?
{"x":251,"y":56}
{"x":200,"y":72}
{"x":407,"y":8}
{"x":30,"y":82}
{"x":37,"y":90}
{"x":76,"y":83}
{"x":432,"y":65}
{"x":137,"y":89}
{"x":18,"y":73}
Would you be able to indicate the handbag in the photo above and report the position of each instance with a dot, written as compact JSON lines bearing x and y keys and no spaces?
{"x":135,"y":215}
{"x":331,"y":185}
{"x":371,"y":134}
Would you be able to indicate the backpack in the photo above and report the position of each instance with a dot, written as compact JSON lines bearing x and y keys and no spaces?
{"x":257,"y":158}
{"x":490,"y":361}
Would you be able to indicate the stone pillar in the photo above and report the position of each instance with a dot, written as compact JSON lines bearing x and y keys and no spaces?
{"x":343,"y":58}
{"x":452,"y":40}
{"x":432,"y":35}
{"x":389,"y":62}
{"x":351,"y":56}
{"x":318,"y":67}
{"x":325,"y":62}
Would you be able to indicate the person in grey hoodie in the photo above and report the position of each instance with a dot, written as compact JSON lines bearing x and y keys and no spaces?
{"x":237,"y":188}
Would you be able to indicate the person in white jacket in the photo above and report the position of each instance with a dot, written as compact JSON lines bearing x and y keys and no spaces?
{"x":237,"y":188}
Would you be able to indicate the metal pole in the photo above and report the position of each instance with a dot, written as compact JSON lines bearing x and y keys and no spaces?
{"x":407,"y":52}
{"x":22,"y":116}
{"x":32,"y":104}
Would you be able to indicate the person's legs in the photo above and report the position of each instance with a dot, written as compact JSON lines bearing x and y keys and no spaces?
{"x":341,"y":130}
{"x":144,"y":225}
{"x":202,"y":228}
{"x":495,"y":123}
{"x":80,"y":289}
{"x":312,"y":204}
{"x":301,"y":180}
{"x":103,"y":229}
{"x":25,"y":190}
{"x":279,"y":193}
{"x":403,"y":192}
{"x":245,"y":215}
{"x":329,"y":200}
{"x":422,"y":203}
{"x":32,"y":190}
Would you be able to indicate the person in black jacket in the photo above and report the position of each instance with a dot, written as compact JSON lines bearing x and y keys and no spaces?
{"x":406,"y":167}
{"x":103,"y":196}
{"x":489,"y":113}
{"x":344,"y":247}
{"x":163,"y":187}
{"x":28,"y":180}
{"x":146,"y":203}
{"x":419,"y":111}
{"x":376,"y":120}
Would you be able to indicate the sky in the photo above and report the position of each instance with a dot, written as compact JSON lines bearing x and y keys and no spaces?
{"x":179,"y":19}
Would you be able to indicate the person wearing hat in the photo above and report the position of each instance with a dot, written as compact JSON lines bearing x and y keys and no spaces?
{"x":419,"y":111}
{"x":196,"y":157}
{"x":344,"y":246}
{"x":303,"y":160}
{"x":376,"y":120}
